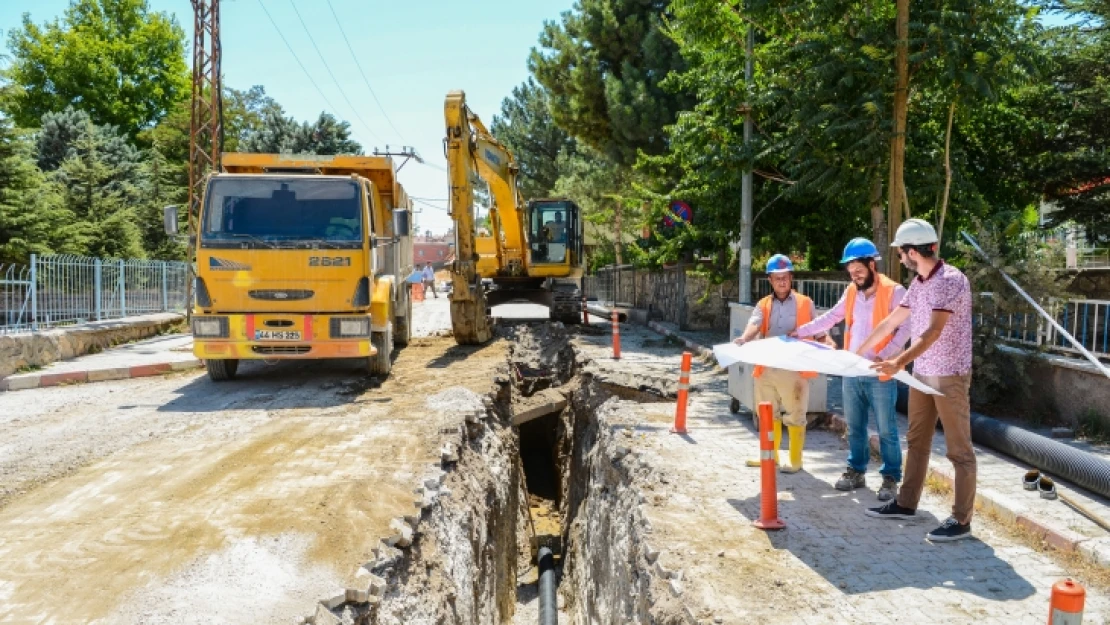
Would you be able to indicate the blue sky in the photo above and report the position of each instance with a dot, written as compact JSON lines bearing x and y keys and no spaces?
{"x":412,"y":52}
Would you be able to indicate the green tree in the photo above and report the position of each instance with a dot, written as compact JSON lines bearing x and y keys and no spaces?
{"x":280,"y":134}
{"x":103,"y":198}
{"x":33,"y":219}
{"x":602,"y":67}
{"x":526,"y":127}
{"x":123,"y":63}
{"x":1069,"y":149}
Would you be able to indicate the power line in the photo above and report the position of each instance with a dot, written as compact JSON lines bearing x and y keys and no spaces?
{"x":363,"y":74}
{"x":298,"y":60}
{"x":330,"y":73}
{"x":441,"y":208}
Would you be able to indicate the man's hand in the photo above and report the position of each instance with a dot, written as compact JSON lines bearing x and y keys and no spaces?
{"x":739,"y":340}
{"x":887,"y":368}
{"x":792,"y":334}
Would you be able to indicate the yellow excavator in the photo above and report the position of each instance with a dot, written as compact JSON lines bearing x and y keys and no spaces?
{"x":533,"y":251}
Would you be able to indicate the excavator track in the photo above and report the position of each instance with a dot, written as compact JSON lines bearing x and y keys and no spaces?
{"x":566,"y":303}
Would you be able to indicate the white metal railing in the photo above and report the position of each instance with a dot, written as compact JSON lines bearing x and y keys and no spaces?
{"x":1088,"y":321}
{"x":62,"y":290}
{"x":825,"y":293}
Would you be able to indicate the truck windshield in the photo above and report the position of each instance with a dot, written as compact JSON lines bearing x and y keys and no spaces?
{"x":274,"y":211}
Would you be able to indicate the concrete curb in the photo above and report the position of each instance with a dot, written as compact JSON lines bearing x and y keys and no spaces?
{"x":697,"y":348}
{"x":42,"y":380}
{"x":1094,"y":550}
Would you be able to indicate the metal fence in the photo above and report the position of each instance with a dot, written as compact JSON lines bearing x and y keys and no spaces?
{"x":1088,"y":321}
{"x":825,"y":293}
{"x":63,"y":290}
{"x":613,"y":285}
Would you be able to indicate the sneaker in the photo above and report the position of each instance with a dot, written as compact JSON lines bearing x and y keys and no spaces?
{"x":851,"y":480}
{"x":891,"y":511}
{"x":888,"y":489}
{"x":949,"y":530}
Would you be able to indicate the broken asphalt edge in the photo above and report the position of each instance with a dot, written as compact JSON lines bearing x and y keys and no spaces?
{"x":1094,"y":550}
{"x":42,"y":380}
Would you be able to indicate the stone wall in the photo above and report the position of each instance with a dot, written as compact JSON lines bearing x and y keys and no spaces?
{"x":30,"y":350}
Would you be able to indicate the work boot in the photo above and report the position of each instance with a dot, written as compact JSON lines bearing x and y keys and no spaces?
{"x":797,"y":441}
{"x":851,"y":480}
{"x":888,"y":489}
{"x":777,"y":433}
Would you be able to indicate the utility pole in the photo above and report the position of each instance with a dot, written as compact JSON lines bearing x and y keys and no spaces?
{"x":206,"y":131}
{"x":746,"y":183}
{"x":897,"y":188}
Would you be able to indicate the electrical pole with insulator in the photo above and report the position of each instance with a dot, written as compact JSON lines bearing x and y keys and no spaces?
{"x":206,"y":119}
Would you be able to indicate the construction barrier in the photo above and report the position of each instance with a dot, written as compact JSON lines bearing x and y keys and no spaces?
{"x":769,"y":494}
{"x":683,"y":396}
{"x":417,"y":292}
{"x":585,"y":313}
{"x":1066,"y":605}
{"x":616,"y":336}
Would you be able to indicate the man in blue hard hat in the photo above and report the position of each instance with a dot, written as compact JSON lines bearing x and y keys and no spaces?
{"x":778,"y":314}
{"x":868,"y":300}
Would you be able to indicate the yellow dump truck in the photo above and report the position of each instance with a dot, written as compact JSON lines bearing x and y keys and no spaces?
{"x":301,"y":257}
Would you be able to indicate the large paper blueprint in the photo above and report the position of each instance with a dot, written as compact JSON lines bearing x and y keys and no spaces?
{"x":797,"y":355}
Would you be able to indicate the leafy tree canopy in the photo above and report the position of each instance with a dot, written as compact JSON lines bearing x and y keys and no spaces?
{"x":116,"y":60}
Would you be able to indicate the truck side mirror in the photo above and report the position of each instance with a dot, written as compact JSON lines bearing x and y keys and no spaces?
{"x":169,"y":219}
{"x":401,"y":222}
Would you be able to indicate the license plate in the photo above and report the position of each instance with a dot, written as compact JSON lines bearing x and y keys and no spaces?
{"x":277,"y":335}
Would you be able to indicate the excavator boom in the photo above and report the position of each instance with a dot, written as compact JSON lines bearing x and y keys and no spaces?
{"x":533,"y":251}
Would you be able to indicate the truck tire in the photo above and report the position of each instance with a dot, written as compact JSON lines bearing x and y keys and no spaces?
{"x":380,"y":363}
{"x":403,"y":324}
{"x":221,"y":370}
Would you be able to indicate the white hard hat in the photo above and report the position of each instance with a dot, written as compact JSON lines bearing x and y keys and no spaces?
{"x":914,"y":232}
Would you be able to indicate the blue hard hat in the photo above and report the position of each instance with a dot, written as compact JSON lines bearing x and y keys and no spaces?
{"x":858,"y":248}
{"x":779,"y":263}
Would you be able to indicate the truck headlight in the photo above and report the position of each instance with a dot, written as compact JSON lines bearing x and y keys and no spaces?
{"x":210,"y":327}
{"x":350,"y":327}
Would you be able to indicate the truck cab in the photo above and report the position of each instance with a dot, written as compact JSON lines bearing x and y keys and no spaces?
{"x":301,"y":257}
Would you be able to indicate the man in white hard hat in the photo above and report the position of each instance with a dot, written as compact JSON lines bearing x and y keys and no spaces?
{"x":938,"y":307}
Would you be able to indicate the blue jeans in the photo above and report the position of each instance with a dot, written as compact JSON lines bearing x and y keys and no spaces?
{"x":864,"y":395}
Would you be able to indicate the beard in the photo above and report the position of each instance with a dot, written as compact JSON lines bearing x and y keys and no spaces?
{"x":868,"y":282}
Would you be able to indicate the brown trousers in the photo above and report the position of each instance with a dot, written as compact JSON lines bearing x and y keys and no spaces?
{"x":954,"y":411}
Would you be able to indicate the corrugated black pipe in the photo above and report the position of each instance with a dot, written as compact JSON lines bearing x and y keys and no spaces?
{"x":549,"y":614}
{"x":1049,"y":456}
{"x":605,"y":313}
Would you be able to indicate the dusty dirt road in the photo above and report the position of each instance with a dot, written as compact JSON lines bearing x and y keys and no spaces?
{"x":176,"y":500}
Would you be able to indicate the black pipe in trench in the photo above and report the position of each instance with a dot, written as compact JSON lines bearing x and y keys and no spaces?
{"x":548,"y":604}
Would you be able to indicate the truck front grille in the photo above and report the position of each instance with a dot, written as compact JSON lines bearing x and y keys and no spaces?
{"x":281,"y":295}
{"x":281,"y":350}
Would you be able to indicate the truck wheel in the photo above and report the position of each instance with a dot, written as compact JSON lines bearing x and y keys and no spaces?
{"x":380,"y":363}
{"x":734,"y":405}
{"x":221,"y":370}
{"x":403,"y":325}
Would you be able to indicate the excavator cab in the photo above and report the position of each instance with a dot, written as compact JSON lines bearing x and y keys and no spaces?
{"x":554,"y":236}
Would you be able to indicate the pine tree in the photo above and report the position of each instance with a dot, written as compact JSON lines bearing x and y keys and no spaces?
{"x":32,"y":218}
{"x":525,"y":126}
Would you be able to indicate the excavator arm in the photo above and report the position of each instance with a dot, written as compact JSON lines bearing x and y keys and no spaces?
{"x":469,"y":321}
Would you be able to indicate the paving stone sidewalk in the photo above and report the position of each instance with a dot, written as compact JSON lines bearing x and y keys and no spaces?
{"x":153,"y":356}
{"x":832,"y":564}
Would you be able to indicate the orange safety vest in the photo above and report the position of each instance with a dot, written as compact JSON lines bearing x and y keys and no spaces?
{"x":801,"y":317}
{"x":883,"y":296}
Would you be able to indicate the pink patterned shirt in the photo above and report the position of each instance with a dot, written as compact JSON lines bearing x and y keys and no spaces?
{"x":947,"y":289}
{"x":861,"y":323}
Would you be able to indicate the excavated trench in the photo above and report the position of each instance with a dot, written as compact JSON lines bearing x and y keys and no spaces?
{"x":532,"y":464}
